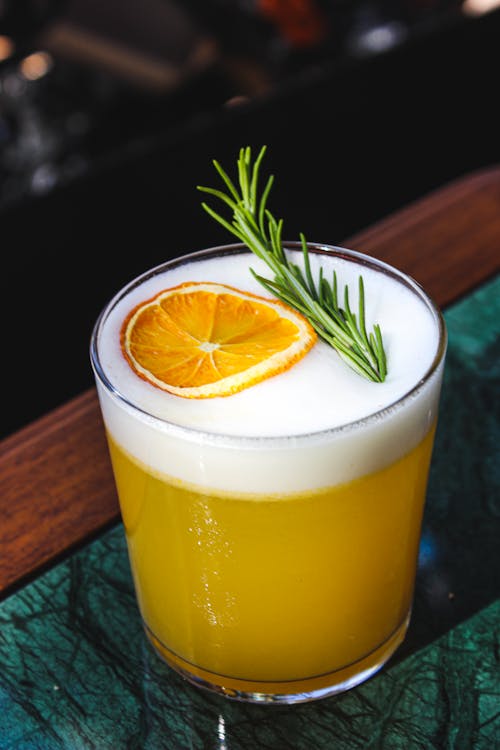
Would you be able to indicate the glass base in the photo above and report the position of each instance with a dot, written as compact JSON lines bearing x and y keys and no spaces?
{"x":292,"y":691}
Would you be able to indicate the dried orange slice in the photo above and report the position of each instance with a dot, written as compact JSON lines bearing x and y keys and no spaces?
{"x":202,"y":339}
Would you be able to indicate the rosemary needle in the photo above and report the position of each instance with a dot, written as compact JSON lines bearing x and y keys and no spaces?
{"x":255,"y":226}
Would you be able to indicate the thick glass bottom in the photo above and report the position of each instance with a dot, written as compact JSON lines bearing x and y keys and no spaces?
{"x":292,"y":691}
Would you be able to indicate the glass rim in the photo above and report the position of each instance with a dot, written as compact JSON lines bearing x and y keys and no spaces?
{"x":361,"y":258}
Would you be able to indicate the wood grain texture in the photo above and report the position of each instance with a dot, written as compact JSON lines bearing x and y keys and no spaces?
{"x":449,"y":241}
{"x":56,"y":485}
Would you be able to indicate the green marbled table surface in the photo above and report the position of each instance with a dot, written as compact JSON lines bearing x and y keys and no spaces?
{"x":76,"y":672}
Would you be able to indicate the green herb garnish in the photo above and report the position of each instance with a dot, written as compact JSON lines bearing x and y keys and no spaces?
{"x":255,"y":226}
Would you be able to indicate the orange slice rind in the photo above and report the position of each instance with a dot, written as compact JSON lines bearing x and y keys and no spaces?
{"x":203,"y":339}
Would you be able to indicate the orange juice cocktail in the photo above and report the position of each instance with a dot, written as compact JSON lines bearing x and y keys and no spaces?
{"x":273,"y":533}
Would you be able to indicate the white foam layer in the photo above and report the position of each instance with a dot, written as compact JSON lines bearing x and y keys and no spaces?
{"x":316,"y":395}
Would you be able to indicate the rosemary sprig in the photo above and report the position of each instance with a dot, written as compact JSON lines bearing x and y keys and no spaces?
{"x":255,"y":226}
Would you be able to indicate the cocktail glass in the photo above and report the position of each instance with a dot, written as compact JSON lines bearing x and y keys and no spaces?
{"x":274,"y":569}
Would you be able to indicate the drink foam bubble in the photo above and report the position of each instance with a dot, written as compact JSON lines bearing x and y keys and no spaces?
{"x":316,"y":396}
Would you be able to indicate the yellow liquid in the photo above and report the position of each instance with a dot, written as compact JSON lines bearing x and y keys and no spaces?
{"x":268,"y":593}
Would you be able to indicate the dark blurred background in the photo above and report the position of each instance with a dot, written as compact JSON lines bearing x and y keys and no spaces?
{"x":111,"y":112}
